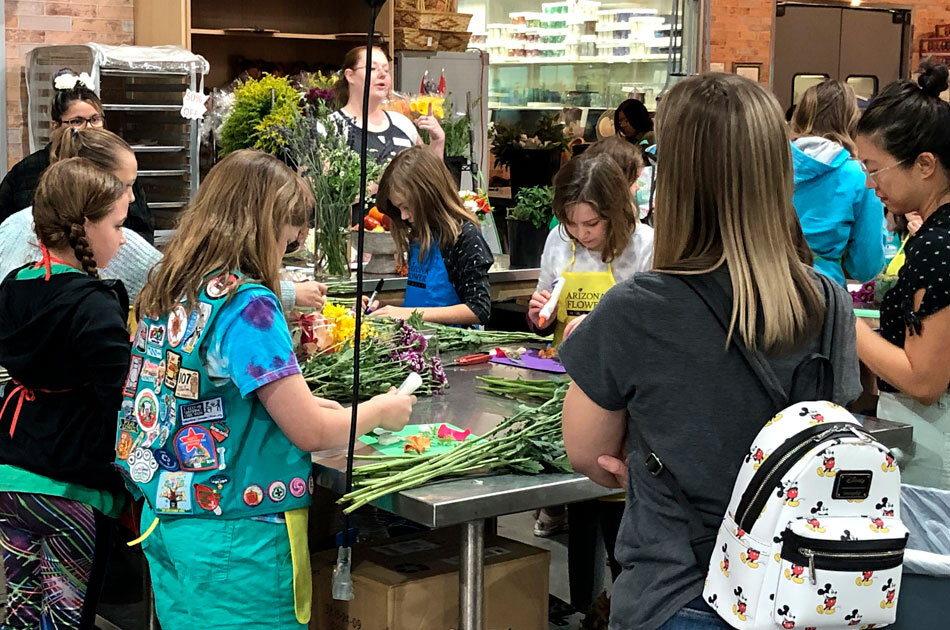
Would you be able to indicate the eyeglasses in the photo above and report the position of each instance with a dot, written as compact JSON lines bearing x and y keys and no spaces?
{"x":79,"y":122}
{"x":376,"y":69}
{"x":872,"y":174}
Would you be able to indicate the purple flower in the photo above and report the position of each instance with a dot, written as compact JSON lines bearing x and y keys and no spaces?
{"x":316,"y":94}
{"x":438,"y":372}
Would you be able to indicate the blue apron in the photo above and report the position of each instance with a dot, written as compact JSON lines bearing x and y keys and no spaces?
{"x":428,"y":284}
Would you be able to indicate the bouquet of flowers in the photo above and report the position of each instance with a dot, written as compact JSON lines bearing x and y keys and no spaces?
{"x":476,"y":202}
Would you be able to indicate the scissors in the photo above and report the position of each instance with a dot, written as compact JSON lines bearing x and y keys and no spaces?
{"x":471,"y":359}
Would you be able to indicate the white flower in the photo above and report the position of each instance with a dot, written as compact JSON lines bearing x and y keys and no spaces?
{"x":471,"y":206}
{"x":86,"y":80}
{"x":65,"y":82}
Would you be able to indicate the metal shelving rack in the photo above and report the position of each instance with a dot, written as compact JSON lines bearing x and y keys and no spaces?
{"x":141,"y":90}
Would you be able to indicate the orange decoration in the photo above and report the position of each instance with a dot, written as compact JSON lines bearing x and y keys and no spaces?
{"x":417,"y":443}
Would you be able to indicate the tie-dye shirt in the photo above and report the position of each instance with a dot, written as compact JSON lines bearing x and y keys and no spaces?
{"x":250,"y":343}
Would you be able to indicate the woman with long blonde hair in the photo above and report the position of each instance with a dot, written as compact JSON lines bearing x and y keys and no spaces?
{"x":438,"y":238}
{"x":842,"y":220}
{"x":218,"y":423}
{"x":652,"y":361}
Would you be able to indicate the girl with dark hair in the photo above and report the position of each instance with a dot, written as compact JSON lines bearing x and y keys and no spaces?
{"x":65,"y":343}
{"x":632,"y":122}
{"x":75,"y":105}
{"x":903,"y":139}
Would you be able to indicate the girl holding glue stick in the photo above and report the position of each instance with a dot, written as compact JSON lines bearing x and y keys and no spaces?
{"x":599,"y":241}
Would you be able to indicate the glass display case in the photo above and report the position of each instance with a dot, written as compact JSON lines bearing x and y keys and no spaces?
{"x":580,"y":53}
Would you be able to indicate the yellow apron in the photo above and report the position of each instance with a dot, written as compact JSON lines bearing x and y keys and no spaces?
{"x":897,"y":262}
{"x":581,"y":292}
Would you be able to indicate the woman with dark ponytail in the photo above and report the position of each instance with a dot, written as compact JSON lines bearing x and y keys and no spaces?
{"x":64,"y":340}
{"x":903,"y":140}
{"x":76,"y":106}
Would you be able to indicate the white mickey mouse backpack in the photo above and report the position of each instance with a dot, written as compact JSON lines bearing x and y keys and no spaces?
{"x":812,"y":538}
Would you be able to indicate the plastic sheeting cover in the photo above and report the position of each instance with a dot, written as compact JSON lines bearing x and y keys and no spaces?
{"x":926,"y":513}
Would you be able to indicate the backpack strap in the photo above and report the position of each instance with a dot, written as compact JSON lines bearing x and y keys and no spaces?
{"x":718,"y":302}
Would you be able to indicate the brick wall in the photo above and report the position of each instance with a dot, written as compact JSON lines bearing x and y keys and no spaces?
{"x":36,"y":23}
{"x":742,"y":29}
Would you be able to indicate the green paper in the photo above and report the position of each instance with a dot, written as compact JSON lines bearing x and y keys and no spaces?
{"x":868,"y":313}
{"x":408,"y":431}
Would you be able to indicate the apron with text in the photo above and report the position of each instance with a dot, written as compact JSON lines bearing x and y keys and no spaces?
{"x":428,"y":284}
{"x":581,"y":292}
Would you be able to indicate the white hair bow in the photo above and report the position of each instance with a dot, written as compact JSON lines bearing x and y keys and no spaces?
{"x":70,"y":81}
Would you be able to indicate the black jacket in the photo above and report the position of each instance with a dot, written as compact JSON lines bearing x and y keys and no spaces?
{"x":68,"y":333}
{"x":16,"y":193}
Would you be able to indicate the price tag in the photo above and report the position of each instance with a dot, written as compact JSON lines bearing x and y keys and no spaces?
{"x":193,"y":105}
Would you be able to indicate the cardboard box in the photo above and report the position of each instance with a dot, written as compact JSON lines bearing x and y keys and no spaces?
{"x":411,"y":583}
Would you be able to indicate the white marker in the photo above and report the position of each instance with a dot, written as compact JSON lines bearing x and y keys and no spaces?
{"x":411,"y":384}
{"x":548,"y":308}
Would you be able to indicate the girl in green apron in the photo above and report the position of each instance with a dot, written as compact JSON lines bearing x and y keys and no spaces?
{"x":440,"y":240}
{"x":217,"y":423}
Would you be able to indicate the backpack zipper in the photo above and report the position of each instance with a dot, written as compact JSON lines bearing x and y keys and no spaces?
{"x":763,"y":479}
{"x":833,"y":555}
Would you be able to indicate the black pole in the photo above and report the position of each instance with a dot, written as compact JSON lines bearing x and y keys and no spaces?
{"x":367,"y":75}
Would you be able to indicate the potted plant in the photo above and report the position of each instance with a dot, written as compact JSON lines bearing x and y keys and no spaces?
{"x":260,"y":109}
{"x":534,"y":159}
{"x":528,"y":226}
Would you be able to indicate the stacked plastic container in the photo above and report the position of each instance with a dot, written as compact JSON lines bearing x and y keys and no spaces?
{"x":624,"y":34}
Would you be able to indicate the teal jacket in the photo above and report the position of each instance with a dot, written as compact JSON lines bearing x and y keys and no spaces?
{"x":842,"y":219}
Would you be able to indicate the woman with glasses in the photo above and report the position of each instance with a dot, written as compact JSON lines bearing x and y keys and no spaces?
{"x":904,"y":142}
{"x":74,"y":105}
{"x":389,"y":132}
{"x":842,"y":220}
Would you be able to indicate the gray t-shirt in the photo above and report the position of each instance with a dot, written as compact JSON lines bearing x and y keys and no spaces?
{"x":652,"y":347}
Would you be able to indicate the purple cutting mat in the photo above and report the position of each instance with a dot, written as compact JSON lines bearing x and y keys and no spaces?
{"x":533,"y":362}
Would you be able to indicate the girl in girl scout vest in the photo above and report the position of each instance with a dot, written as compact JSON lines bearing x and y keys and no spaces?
{"x":598,"y":243}
{"x":217,"y":423}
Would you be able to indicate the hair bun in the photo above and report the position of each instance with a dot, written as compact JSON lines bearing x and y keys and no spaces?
{"x":934,"y":78}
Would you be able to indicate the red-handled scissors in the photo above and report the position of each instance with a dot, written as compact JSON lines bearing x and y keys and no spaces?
{"x":471,"y":359}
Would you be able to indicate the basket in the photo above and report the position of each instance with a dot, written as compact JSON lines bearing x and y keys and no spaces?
{"x":445,"y":22}
{"x":415,"y":39}
{"x":935,"y":45}
{"x":454,"y":42}
{"x":445,"y":6}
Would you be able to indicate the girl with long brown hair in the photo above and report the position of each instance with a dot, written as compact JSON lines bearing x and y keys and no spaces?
{"x":842,"y":220}
{"x":599,"y":240}
{"x":218,"y":423}
{"x":439,"y":239}
{"x":651,"y":365}
{"x":388,"y":132}
{"x":64,"y":340}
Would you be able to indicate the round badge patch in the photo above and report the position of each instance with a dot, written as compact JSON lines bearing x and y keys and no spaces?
{"x":298,"y":487}
{"x":253,"y":496}
{"x":310,"y":483}
{"x":177,"y":323}
{"x":277,"y":491}
{"x":219,"y":287}
{"x":165,"y":459}
{"x":146,"y":410}
{"x":142,"y":465}
{"x":208,"y":498}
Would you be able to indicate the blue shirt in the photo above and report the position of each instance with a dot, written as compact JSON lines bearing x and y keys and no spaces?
{"x":840,"y":216}
{"x":250,"y":342}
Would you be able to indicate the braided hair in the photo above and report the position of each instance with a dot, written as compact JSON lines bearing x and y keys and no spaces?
{"x":71,"y":192}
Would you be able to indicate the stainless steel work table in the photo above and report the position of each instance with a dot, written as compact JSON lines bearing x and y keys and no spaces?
{"x":470,"y":501}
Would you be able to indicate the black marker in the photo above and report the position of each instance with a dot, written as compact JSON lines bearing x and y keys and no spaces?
{"x":379,"y":287}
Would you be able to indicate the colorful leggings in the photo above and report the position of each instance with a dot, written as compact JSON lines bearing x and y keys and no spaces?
{"x":54,"y":556}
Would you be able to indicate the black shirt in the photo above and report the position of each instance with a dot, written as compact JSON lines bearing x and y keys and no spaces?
{"x":16,"y":193}
{"x":927,"y":267}
{"x":467,"y":262}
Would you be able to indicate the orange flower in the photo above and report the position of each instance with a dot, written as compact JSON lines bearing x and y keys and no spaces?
{"x":417,"y":443}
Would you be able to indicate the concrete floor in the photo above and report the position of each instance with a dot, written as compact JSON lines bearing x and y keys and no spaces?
{"x":516,"y":526}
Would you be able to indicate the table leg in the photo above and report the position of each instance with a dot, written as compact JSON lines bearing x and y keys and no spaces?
{"x":472,"y":576}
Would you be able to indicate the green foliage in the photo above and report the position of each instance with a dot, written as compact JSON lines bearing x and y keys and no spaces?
{"x":510,"y":140}
{"x":261,"y":108}
{"x":534,"y":205}
{"x":457,"y":134}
